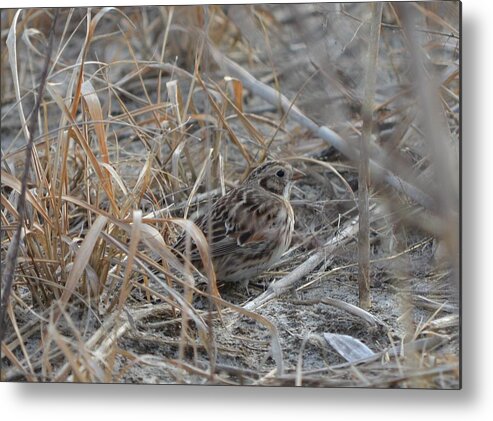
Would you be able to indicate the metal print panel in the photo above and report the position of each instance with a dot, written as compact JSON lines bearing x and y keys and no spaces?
{"x":258,"y":195}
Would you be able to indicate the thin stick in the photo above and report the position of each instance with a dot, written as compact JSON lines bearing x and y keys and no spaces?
{"x":13,"y":250}
{"x":364,"y":158}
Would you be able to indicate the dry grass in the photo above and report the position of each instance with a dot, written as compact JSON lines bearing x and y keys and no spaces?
{"x":149,"y":114}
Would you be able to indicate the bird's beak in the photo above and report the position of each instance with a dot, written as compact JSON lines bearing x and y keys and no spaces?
{"x":297,"y":174}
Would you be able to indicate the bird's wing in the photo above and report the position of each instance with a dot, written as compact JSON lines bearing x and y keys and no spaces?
{"x":229,"y":227}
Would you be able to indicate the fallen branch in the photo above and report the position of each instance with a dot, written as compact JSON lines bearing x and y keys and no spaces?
{"x":284,"y":284}
{"x":277,"y":99}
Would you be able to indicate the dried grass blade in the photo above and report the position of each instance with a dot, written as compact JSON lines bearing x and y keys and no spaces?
{"x":89,"y":207}
{"x":354,"y":310}
{"x":7,"y":353}
{"x":132,"y":250}
{"x":275,"y":342}
{"x":141,"y":186}
{"x":78,"y":136}
{"x":12,"y":49}
{"x":203,"y":248}
{"x":436,"y":18}
{"x":184,"y":306}
{"x":81,"y":260}
{"x":327,"y":165}
{"x":231,"y":133}
{"x":16,"y":185}
{"x":175,"y":99}
{"x":246,"y":123}
{"x":21,"y":343}
{"x":237,"y":88}
{"x":94,"y":107}
{"x":116,"y":177}
{"x":70,"y":357}
{"x":198,"y":181}
{"x":91,"y":27}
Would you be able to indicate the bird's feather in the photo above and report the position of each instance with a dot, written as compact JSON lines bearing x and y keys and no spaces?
{"x":249,"y":227}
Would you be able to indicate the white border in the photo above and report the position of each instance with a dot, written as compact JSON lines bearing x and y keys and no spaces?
{"x":474,"y":402}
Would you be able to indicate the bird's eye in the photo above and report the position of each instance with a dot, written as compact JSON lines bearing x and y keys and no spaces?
{"x":280,"y":173}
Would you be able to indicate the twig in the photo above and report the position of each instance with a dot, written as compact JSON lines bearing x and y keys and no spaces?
{"x":370,"y":319}
{"x":363,"y":173}
{"x":13,"y":250}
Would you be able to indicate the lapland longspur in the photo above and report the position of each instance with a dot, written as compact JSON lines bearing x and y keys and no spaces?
{"x":250,"y":227}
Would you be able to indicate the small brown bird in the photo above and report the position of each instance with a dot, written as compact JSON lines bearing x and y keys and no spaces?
{"x":251,"y":226}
